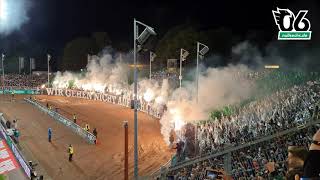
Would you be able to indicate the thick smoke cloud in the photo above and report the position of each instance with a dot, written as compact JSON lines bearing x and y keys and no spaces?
{"x":13,"y":14}
{"x":218,"y":87}
{"x":109,"y":72}
{"x":102,"y":73}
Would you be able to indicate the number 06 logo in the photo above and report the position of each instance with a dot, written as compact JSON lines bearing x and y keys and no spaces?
{"x":292,"y":27}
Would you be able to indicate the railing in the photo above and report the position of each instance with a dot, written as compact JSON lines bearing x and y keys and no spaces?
{"x":24,"y":164}
{"x":158,"y":171}
{"x":18,"y":90}
{"x":229,"y":149}
{"x":89,"y":137}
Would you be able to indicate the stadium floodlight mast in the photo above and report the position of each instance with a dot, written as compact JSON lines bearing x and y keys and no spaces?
{"x":200,"y":54}
{"x":2,"y":59}
{"x":30,"y":60}
{"x":49,"y":57}
{"x":183,"y":55}
{"x":21,"y":63}
{"x":138,"y":41}
{"x":152,"y":56}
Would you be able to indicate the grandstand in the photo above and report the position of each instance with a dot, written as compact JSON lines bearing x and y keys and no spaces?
{"x":247,"y":160}
{"x":247,"y":140}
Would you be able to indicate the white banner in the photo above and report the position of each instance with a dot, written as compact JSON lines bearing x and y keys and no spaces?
{"x":123,"y":100}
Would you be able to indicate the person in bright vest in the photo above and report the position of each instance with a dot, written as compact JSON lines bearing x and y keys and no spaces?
{"x":70,"y":151}
{"x":87,"y":127}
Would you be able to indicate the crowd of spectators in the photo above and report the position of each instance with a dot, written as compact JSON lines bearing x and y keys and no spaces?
{"x":280,"y":111}
{"x":24,"y":81}
{"x":265,"y":160}
{"x":159,"y":76}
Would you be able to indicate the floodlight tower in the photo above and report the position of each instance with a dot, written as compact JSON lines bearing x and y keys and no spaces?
{"x":138,"y":41}
{"x":30,"y":65}
{"x":49,"y":58}
{"x":200,"y":55}
{"x":152,"y":56}
{"x":183,"y":56}
{"x":2,"y":59}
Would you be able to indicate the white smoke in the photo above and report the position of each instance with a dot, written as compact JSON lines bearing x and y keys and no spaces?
{"x":110,"y":73}
{"x":101,"y":74}
{"x":13,"y":14}
{"x":218,"y":87}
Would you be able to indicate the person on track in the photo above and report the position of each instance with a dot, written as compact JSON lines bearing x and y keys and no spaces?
{"x":70,"y":151}
{"x":15,"y":124}
{"x":12,"y":95}
{"x":16,"y":135}
{"x":49,"y":134}
{"x":95,"y":133}
{"x":87,"y":127}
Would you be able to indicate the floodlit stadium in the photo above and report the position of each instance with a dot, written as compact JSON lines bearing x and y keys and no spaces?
{"x":89,"y":92}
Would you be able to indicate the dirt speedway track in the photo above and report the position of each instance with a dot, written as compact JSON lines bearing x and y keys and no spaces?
{"x":102,"y":161}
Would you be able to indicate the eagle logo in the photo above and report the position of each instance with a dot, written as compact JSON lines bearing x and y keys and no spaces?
{"x":287,"y":21}
{"x":283,"y":19}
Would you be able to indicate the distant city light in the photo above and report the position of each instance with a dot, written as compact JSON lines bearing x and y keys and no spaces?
{"x":272,"y":66}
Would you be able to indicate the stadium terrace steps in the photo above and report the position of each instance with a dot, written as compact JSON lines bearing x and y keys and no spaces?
{"x":227,"y":150}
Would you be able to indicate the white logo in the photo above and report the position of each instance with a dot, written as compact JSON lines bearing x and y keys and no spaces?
{"x":292,"y":27}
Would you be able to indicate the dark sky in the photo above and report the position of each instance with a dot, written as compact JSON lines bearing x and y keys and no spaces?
{"x":55,"y":22}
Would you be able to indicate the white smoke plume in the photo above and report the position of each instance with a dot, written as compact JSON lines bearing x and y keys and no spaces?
{"x":13,"y":14}
{"x":217,"y":87}
{"x":100,"y":75}
{"x":110,"y":73}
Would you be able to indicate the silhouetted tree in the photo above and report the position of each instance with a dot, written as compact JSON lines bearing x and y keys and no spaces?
{"x":76,"y":51}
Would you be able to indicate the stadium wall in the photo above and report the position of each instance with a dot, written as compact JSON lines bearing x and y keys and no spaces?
{"x":18,"y":155}
{"x":90,"y":138}
{"x":18,"y":90}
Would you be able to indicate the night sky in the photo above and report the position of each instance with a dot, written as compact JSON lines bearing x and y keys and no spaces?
{"x":55,"y":22}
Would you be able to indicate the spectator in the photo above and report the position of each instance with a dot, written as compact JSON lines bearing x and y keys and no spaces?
{"x":95,"y":133}
{"x":15,"y":124}
{"x":8,"y":124}
{"x":296,"y":158}
{"x":311,"y":167}
{"x":16,"y":135}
